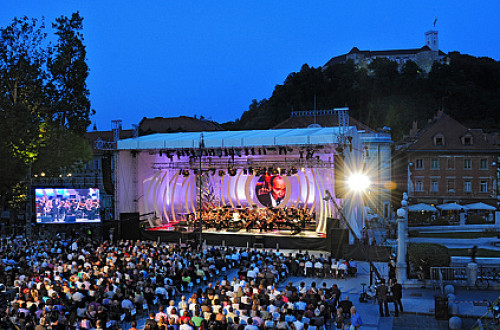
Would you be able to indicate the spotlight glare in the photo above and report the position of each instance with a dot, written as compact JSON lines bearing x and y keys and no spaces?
{"x":358,"y":182}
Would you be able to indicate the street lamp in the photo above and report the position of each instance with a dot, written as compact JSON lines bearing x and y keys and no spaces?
{"x":401,"y":265}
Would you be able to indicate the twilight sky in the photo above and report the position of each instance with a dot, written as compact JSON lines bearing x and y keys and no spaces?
{"x":170,"y":58}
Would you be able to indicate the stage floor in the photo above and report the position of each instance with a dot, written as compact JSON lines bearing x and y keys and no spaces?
{"x":283,"y":238}
{"x":274,"y":232}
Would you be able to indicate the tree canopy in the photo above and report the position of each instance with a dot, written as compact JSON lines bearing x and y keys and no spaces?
{"x":383,"y":95}
{"x":44,"y":100}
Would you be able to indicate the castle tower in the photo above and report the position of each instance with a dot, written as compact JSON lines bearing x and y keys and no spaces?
{"x":431,"y":40}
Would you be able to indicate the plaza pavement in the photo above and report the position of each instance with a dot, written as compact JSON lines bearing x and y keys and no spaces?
{"x":418,"y":303}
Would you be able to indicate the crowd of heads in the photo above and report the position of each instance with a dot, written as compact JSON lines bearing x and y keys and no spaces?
{"x":78,"y":283}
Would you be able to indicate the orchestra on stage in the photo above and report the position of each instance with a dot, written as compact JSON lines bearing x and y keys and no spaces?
{"x":263,"y":219}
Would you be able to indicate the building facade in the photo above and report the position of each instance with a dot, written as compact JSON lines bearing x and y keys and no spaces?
{"x":447,"y":162}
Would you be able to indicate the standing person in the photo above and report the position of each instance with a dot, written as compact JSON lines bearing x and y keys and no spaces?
{"x":392,"y":268}
{"x":339,"y":319}
{"x":473,"y":253}
{"x":355,"y":322}
{"x":152,"y":322}
{"x":397,"y":294}
{"x":381,"y":293}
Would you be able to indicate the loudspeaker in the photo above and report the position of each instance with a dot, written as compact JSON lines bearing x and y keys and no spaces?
{"x":106,"y":175}
{"x":339,"y":175}
{"x":336,"y":239}
{"x":332,"y":223}
{"x":129,"y":226}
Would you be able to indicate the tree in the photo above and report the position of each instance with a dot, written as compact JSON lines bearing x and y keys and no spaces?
{"x":44,"y":105}
{"x":69,"y":73}
{"x":22,"y":98}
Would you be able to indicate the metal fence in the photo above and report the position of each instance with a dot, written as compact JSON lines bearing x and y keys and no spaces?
{"x":440,"y":276}
{"x":488,"y":276}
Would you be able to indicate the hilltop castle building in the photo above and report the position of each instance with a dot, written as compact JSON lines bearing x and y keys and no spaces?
{"x":424,"y":57}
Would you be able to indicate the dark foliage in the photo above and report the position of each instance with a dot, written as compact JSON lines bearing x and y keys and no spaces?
{"x":385,"y":96}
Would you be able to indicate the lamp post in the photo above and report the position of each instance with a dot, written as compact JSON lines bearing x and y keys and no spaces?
{"x":401,"y":264}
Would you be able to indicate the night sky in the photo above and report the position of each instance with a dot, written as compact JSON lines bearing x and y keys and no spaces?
{"x":211,"y":58}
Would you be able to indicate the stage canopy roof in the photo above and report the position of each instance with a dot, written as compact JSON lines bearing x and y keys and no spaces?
{"x":238,"y":139}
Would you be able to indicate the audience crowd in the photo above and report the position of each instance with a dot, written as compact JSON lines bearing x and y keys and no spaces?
{"x":82,"y":284}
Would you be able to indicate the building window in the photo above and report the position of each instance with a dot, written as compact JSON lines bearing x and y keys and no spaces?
{"x":434,"y":186}
{"x":483,"y":186}
{"x":467,"y":186}
{"x":451,"y":185}
{"x":484,"y":164}
{"x":467,"y":140}
{"x":451,"y":163}
{"x":435,"y":164}
{"x":419,"y":164}
{"x":467,"y":164}
{"x":439,"y":140}
{"x":419,"y":186}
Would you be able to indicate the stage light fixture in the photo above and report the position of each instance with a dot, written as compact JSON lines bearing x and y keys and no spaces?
{"x":257,"y":172}
{"x":222,"y":173}
{"x":358,"y":182}
{"x":245,"y":171}
{"x":282,"y":172}
{"x":185,"y":173}
{"x":246,"y":152}
{"x":275,"y":171}
{"x":161,"y":153}
{"x":250,"y":170}
{"x":294,"y":170}
{"x":253,"y":151}
{"x":231,"y":171}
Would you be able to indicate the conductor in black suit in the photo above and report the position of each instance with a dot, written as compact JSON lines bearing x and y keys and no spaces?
{"x":274,"y":194}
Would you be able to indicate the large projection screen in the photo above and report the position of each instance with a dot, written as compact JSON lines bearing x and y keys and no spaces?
{"x":63,"y":205}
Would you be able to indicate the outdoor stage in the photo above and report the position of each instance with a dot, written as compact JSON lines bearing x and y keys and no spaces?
{"x":283,"y":239}
{"x":279,"y":174}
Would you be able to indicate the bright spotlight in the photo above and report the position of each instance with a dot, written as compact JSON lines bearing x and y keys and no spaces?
{"x":358,"y":182}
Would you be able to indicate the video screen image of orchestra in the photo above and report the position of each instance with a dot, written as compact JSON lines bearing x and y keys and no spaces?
{"x":262,"y":219}
{"x":67,"y":205}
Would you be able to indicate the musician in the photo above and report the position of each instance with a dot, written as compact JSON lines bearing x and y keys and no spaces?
{"x":272,"y":195}
{"x":90,"y":208}
{"x":236,"y":219}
